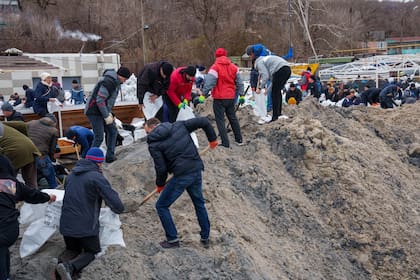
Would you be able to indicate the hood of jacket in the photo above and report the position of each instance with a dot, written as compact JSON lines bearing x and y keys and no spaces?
{"x":161,"y":132}
{"x":112,"y":74}
{"x":85,"y":165}
{"x":223,"y":60}
{"x":47,"y":121}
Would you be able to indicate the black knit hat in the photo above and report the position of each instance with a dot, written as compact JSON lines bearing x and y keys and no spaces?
{"x":190,"y":70}
{"x":167,"y":69}
{"x":124,"y":72}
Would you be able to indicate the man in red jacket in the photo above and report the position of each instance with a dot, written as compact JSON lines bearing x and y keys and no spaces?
{"x":179,"y":91}
{"x":224,"y":80}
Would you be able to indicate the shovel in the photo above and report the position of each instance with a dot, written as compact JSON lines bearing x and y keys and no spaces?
{"x":155,"y":190}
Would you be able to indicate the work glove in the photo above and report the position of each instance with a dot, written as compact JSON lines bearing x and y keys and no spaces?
{"x":181,"y":105}
{"x":159,"y":188}
{"x":201,"y":99}
{"x":109,"y":119}
{"x":213,"y":144}
{"x":241,"y":100}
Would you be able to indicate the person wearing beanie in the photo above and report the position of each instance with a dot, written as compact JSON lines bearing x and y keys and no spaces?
{"x":255,"y":51}
{"x":98,"y":109}
{"x":77,"y":93}
{"x":44,"y":135}
{"x":277,"y":70}
{"x":82,"y":136}
{"x":179,"y":91}
{"x":44,"y":93}
{"x":154,"y":78}
{"x":225,"y":83}
{"x":86,"y":188}
{"x":10,"y":113}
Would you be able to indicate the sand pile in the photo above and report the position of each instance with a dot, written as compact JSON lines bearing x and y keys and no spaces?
{"x":330,"y":193}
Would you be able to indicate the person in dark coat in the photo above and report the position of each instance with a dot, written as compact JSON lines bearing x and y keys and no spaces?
{"x":30,"y":96}
{"x":81,"y":135}
{"x":370,"y":95}
{"x":98,"y":109}
{"x":154,"y":78}
{"x":43,"y":94}
{"x":387,"y":96}
{"x":85,"y":188}
{"x":173,"y":151}
{"x":294,"y":92}
{"x":10,"y":113}
{"x":11,"y":192}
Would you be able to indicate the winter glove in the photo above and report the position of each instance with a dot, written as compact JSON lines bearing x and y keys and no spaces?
{"x":201,"y":99}
{"x":241,"y":100}
{"x":181,"y":105}
{"x":159,"y":188}
{"x":57,"y":149}
{"x":213,"y":144}
{"x":109,"y":119}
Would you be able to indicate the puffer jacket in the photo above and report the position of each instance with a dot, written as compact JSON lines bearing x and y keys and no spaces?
{"x":179,"y":87}
{"x":85,"y":188}
{"x":173,"y":150}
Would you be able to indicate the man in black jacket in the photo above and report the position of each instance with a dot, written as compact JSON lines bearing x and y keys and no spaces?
{"x":85,"y":188}
{"x":154,"y":78}
{"x":12,"y":191}
{"x":173,"y":151}
{"x":10,"y":113}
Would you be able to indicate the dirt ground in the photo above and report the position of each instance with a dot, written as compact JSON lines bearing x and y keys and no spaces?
{"x":329,"y":193}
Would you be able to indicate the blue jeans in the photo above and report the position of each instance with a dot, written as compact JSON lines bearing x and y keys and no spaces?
{"x":111,"y":132}
{"x":269,"y":98}
{"x":175,"y":187}
{"x":46,"y":168}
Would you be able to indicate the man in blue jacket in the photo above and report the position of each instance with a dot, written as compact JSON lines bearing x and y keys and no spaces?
{"x":85,"y":188}
{"x":173,"y":151}
{"x":81,"y":135}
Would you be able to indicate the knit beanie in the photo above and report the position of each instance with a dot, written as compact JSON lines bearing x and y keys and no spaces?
{"x":7,"y":107}
{"x":220,"y":52}
{"x":167,"y":69}
{"x":44,"y":76}
{"x":124,"y":72}
{"x":95,"y":154}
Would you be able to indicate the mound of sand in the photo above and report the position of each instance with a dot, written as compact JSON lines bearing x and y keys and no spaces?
{"x":330,"y":193}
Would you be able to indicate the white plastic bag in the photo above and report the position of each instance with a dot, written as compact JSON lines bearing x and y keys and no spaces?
{"x":260,"y":107}
{"x":44,"y":221}
{"x":150,"y":109}
{"x":186,"y":114}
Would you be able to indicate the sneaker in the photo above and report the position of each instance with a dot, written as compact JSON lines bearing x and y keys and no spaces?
{"x":205,"y":243}
{"x":267,"y":118}
{"x":239,"y":143}
{"x":169,"y":244}
{"x":284,"y":117}
{"x":65,"y":270}
{"x":261,"y":121}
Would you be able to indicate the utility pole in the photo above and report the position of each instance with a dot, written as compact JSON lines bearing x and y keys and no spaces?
{"x":142,"y":32}
{"x":289,"y":11}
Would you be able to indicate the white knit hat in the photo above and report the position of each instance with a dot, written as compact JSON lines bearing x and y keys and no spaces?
{"x":44,"y":76}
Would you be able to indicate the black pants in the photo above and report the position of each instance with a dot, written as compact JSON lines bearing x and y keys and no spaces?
{"x":87,"y":247}
{"x":8,"y":235}
{"x":172,"y":109}
{"x":220,"y":108}
{"x":279,"y":80}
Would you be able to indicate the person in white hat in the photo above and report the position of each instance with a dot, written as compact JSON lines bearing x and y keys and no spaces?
{"x":43,"y":94}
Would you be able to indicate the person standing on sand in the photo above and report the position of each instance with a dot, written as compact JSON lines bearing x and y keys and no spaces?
{"x":85,"y":188}
{"x":12,"y":191}
{"x":173,"y":151}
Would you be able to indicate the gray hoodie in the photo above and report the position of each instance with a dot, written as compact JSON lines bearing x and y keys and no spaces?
{"x":267,"y":66}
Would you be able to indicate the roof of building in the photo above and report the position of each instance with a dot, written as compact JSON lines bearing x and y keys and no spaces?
{"x":23,"y":62}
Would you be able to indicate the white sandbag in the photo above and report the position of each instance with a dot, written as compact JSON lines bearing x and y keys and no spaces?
{"x":128,"y":137}
{"x":54,"y":106}
{"x":139,"y":134}
{"x":260,"y":105}
{"x":150,"y":109}
{"x":41,"y":229}
{"x":110,"y":229}
{"x":186,"y":114}
{"x":137,"y":122}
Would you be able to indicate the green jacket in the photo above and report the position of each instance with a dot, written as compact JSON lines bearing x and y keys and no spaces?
{"x":17,"y":146}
